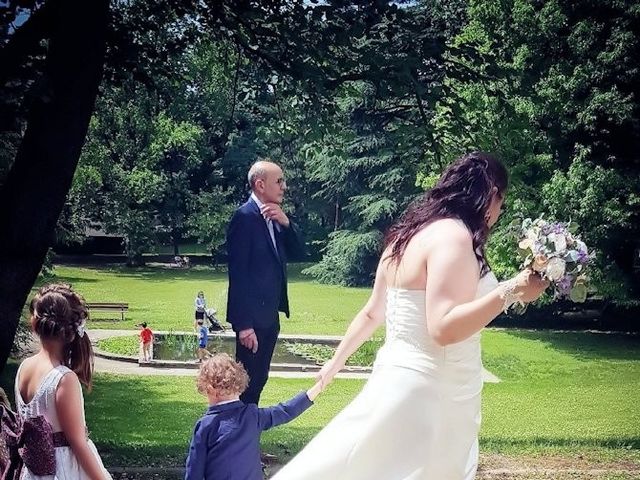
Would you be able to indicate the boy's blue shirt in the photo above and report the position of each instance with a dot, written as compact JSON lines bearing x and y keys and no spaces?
{"x":226,"y":440}
{"x":202,"y":336}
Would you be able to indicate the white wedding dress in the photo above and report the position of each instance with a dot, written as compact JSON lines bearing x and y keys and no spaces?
{"x":417,"y":417}
{"x":44,"y":403}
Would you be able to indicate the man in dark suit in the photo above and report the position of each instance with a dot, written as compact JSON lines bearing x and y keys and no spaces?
{"x":260,"y":238}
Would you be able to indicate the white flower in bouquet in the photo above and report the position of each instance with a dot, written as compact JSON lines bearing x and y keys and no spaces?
{"x":550,"y":249}
{"x":559,"y":241}
{"x":555,"y":269}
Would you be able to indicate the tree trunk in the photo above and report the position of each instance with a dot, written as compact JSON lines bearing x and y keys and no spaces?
{"x":40,"y":178}
{"x":135,"y":260}
{"x":134,"y":255}
{"x":176,"y":236}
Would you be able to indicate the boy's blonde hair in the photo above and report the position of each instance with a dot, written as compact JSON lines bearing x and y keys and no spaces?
{"x":222,"y":373}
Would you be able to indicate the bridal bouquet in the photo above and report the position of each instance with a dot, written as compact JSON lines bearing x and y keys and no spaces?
{"x":550,"y":249}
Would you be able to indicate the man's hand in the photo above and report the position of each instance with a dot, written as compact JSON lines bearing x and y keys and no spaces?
{"x":248,"y":339}
{"x":272,"y":211}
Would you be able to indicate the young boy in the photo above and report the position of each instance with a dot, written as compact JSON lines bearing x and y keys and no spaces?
{"x":203,"y":336}
{"x":226,"y":440}
{"x":146,"y":339}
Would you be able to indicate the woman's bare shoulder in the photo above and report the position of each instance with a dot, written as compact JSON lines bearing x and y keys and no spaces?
{"x":449,"y":231}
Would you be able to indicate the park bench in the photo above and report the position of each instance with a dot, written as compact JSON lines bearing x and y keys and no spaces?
{"x":109,"y":307}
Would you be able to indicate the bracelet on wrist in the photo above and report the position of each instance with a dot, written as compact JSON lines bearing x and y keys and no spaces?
{"x":507,"y":292}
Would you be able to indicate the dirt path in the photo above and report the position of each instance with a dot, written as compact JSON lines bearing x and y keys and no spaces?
{"x":492,"y":467}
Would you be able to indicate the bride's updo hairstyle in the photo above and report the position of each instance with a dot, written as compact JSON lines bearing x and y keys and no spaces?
{"x":464,"y":191}
{"x":59,"y":314}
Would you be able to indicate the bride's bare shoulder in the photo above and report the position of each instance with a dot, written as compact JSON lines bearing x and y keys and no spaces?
{"x":446,"y":230}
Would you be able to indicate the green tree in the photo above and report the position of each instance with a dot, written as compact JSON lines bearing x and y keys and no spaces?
{"x":561,"y":97}
{"x":366,"y":181}
{"x":380,"y":135}
{"x":140,"y":165}
{"x":209,"y":214}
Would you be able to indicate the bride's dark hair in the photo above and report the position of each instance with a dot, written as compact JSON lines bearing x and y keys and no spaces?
{"x":464,"y":191}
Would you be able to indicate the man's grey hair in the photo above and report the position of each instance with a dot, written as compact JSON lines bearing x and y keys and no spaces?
{"x":257,"y":172}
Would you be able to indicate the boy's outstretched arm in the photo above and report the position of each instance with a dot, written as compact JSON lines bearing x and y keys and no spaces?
{"x":286,"y":411}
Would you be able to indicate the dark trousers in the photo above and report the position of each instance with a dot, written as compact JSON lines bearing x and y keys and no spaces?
{"x":257,"y":364}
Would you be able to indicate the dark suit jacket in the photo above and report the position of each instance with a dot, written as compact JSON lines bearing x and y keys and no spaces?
{"x":257,"y":272}
{"x":226,"y":441}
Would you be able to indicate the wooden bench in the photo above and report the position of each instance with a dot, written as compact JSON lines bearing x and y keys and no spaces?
{"x":109,"y":307}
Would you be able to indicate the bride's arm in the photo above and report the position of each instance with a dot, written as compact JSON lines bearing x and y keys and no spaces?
{"x":453,"y":312}
{"x":361,"y":328}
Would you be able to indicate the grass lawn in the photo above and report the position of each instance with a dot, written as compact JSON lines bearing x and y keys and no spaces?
{"x":164,"y":297}
{"x":565,"y":393}
{"x":568,"y":394}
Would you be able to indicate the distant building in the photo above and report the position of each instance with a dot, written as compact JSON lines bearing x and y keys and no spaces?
{"x":96,"y":241}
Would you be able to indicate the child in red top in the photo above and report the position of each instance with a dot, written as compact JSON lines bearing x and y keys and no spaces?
{"x":146,"y":339}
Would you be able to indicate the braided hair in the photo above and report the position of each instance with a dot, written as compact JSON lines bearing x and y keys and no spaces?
{"x":59,"y":314}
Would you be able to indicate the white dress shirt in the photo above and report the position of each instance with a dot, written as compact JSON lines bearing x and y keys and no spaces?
{"x":270,"y":225}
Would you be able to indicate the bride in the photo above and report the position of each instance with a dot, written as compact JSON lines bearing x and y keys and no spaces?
{"x":418,"y":416}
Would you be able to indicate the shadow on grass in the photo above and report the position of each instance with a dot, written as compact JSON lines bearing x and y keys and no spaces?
{"x":585,"y":345}
{"x":161,"y":273}
{"x":283,"y":445}
{"x":296,"y":438}
{"x":71,"y":280}
{"x":158,"y":272}
{"x":152,"y":274}
{"x":129,"y":455}
{"x":136,"y":422}
{"x":575,"y":444}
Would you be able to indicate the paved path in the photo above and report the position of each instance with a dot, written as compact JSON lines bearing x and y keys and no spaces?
{"x":105,"y":365}
{"x":127,"y":368}
{"x":99,"y":334}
